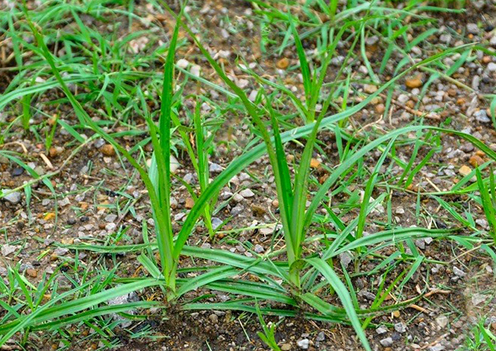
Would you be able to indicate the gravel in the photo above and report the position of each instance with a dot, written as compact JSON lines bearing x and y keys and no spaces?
{"x":258,"y":248}
{"x":303,"y":344}
{"x":475,"y":82}
{"x":477,"y":299}
{"x":247,"y":193}
{"x":442,"y":321}
{"x":182,"y":63}
{"x":472,"y":28}
{"x":17,"y":171}
{"x":238,"y":197}
{"x":215,"y":168}
{"x":492,"y":42}
{"x":400,"y":327}
{"x":478,"y":74}
{"x":64,"y":202}
{"x":458,"y":272}
{"x":120,"y":300}
{"x":403,"y":98}
{"x":195,"y":70}
{"x":381,"y":330}
{"x":8,"y":249}
{"x":345,"y":258}
{"x":372,"y":40}
{"x":14,"y":197}
{"x":420,"y":243}
{"x":110,"y":218}
{"x":213,"y":318}
{"x":237,"y":210}
{"x":216,"y":222}
{"x":387,"y":342}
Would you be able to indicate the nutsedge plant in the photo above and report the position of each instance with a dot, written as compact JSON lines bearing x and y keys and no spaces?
{"x":157,"y":177}
{"x":300,"y":277}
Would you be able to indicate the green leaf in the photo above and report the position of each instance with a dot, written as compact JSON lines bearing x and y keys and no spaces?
{"x":50,"y":311}
{"x":343,"y":295}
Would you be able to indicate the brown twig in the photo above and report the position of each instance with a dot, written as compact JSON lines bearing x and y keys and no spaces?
{"x":430,"y":293}
{"x":434,"y":342}
{"x":429,"y":115}
{"x":51,"y":174}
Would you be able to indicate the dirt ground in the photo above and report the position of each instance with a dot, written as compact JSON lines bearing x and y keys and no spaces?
{"x":95,"y":192}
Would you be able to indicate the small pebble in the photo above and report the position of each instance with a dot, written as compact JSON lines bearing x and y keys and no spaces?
{"x":14,"y":198}
{"x":369,"y":88}
{"x":387,"y":342}
{"x":380,"y":108}
{"x":476,"y":160}
{"x":464,"y":170}
{"x":247,"y":193}
{"x":467,"y":147}
{"x":473,"y":28}
{"x":237,"y":209}
{"x":314,"y":163}
{"x":492,"y":42}
{"x":55,"y":151}
{"x":189,"y":203}
{"x":442,"y":321}
{"x":372,"y":40}
{"x":420,"y":243}
{"x":110,"y":218}
{"x":8,"y":249}
{"x":414,"y":82}
{"x":437,"y":347}
{"x":174,"y":164}
{"x":400,"y":327}
{"x":216,"y":222}
{"x":381,"y":330}
{"x":107,"y":150}
{"x":179,"y":216}
{"x":459,"y":272}
{"x":345,"y":258}
{"x":482,"y":222}
{"x":481,"y":116}
{"x":64,"y":202}
{"x":253,"y":95}
{"x":238,"y":197}
{"x":16,"y":172}
{"x":195,"y":70}
{"x":477,"y":299}
{"x":215,"y":168}
{"x":303,"y":344}
{"x":282,"y":63}
{"x":403,"y":98}
{"x":33,"y":273}
{"x":213,"y":318}
{"x":258,"y":248}
{"x":182,"y":63}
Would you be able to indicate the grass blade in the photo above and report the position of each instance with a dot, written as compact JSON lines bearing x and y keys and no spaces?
{"x":344,"y":296}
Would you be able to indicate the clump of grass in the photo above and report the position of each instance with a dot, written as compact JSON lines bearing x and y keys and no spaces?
{"x":198,"y":151}
{"x":304,"y":274}
{"x":268,"y":333}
